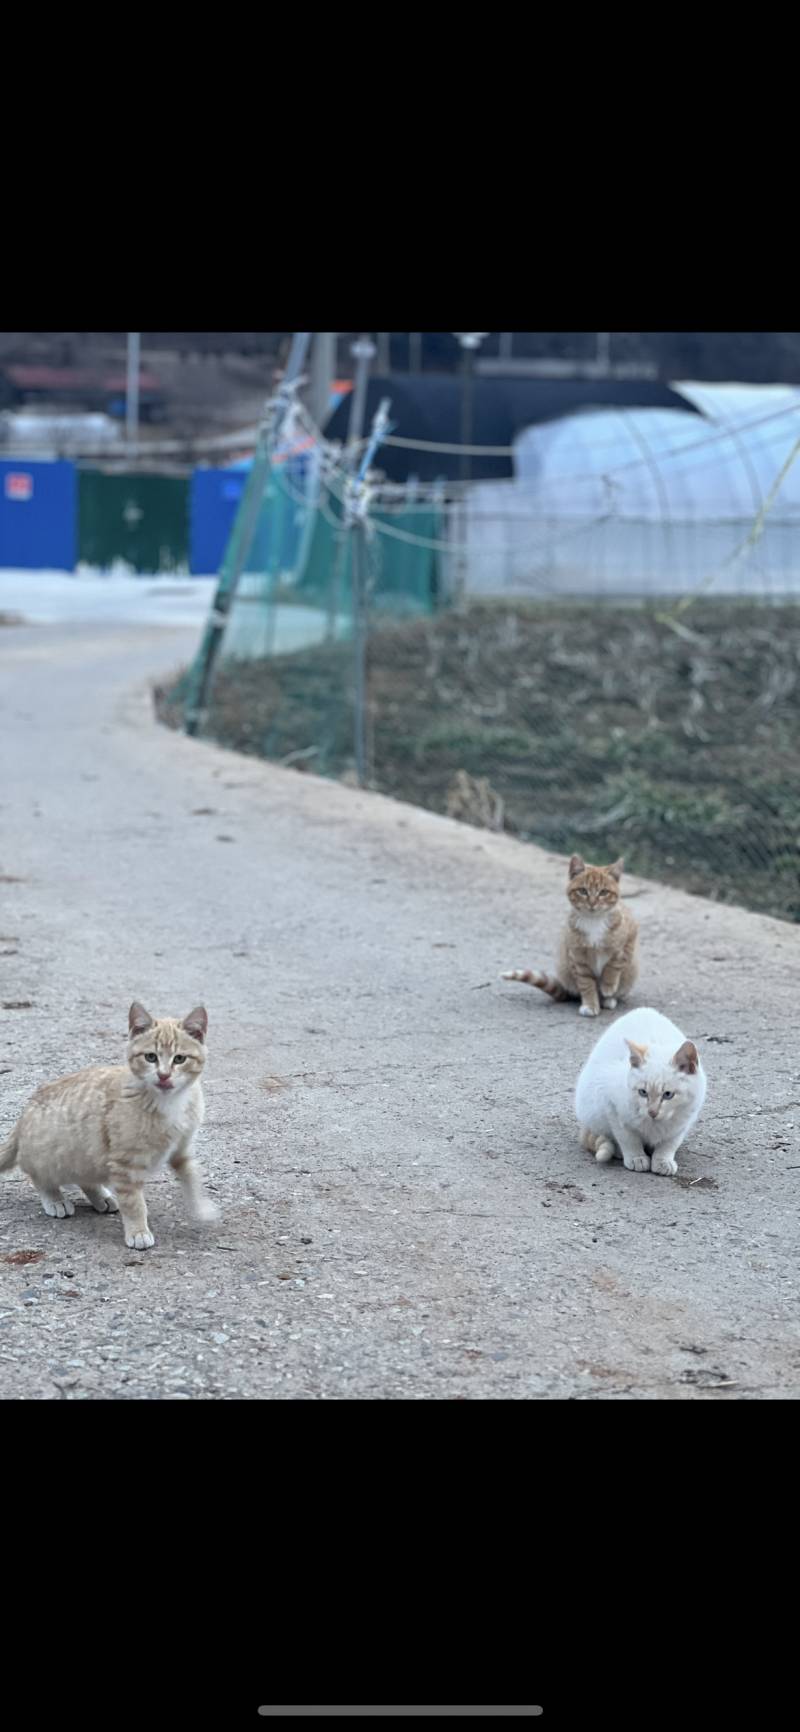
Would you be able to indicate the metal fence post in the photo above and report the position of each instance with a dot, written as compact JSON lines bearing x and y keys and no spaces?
{"x":356,"y":510}
{"x":362,"y":352}
{"x":359,"y":652}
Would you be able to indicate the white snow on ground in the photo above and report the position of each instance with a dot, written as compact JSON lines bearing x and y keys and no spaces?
{"x":81,"y":598}
{"x":53,"y":597}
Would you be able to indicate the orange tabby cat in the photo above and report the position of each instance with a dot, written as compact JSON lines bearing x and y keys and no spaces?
{"x":599,"y":959}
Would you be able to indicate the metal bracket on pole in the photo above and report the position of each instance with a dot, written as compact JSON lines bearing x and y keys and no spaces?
{"x":272,"y":426}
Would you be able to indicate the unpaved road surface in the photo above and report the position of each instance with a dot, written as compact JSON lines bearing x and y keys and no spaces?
{"x":406,"y":1211}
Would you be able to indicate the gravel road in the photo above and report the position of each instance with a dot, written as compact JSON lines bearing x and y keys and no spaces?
{"x":406,"y":1211}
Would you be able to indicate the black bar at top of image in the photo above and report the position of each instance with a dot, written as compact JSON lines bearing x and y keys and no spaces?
{"x":487,"y":1713}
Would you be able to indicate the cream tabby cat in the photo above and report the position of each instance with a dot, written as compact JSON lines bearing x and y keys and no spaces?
{"x":599,"y":959}
{"x":109,"y":1128}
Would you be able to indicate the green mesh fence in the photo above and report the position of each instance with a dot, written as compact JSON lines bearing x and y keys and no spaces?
{"x":277,"y":674}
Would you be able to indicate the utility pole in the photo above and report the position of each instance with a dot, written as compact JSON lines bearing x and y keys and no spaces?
{"x":323,"y":369}
{"x":506,"y":345}
{"x":362,"y":352}
{"x":384,"y":353}
{"x":132,"y":388}
{"x":470,"y":342}
{"x":604,"y":353}
{"x":415,"y":351}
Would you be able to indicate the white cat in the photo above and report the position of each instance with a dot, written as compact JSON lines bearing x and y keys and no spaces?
{"x":639,"y":1093}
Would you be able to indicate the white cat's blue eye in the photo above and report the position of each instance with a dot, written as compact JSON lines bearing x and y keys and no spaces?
{"x":643,"y":1093}
{"x":151,"y":1057}
{"x":180,"y":1058}
{"x":668,"y":1094}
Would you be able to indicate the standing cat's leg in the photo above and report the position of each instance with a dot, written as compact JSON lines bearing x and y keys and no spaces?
{"x":663,"y":1160}
{"x":198,"y":1205}
{"x":628,"y":969}
{"x":100,"y":1199}
{"x":54,"y":1203}
{"x":129,"y":1192}
{"x":631,"y":1149}
{"x":587,"y":988}
{"x":610,"y":982}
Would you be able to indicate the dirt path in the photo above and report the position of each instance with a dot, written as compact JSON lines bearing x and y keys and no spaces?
{"x":406,"y":1210}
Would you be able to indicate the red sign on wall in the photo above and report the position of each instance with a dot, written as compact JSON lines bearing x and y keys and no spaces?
{"x":19,"y":486}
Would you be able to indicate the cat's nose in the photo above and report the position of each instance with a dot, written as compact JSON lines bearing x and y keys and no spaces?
{"x":653,"y":1111}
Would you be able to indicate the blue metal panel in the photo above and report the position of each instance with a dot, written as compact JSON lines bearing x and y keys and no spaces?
{"x":38,"y":515}
{"x":214,"y":499}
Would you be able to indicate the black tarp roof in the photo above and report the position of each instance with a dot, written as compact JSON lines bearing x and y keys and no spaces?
{"x":428,"y":406}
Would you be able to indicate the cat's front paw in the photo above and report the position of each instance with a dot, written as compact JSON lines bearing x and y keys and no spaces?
{"x":663,"y":1164}
{"x":59,"y":1208}
{"x":586,"y":1010}
{"x":105,"y":1204}
{"x":637,"y":1163}
{"x":205,"y":1211}
{"x":139,"y":1241}
{"x":609,"y":1004}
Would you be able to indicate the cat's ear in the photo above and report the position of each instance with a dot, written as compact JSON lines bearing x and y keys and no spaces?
{"x":576,"y":865}
{"x":139,"y":1019}
{"x":686,"y":1058}
{"x":638,"y":1053}
{"x":615,"y":871}
{"x":196,"y":1023}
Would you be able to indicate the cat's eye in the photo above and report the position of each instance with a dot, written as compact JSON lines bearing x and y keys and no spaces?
{"x":643,"y":1093}
{"x":668,"y":1094}
{"x":151,"y":1057}
{"x":180,"y":1058}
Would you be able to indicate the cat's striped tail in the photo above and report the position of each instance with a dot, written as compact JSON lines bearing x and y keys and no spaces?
{"x":8,"y":1153}
{"x":598,"y":1144}
{"x":545,"y":982}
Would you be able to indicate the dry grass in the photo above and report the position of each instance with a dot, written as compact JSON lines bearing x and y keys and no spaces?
{"x":600,"y":728}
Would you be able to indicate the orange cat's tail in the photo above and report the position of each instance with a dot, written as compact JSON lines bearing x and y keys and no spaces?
{"x":8,"y":1154}
{"x":545,"y":982}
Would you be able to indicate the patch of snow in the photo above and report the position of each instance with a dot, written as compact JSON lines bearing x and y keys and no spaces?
{"x":85,"y":596}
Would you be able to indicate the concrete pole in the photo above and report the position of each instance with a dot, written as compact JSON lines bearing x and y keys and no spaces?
{"x":362,"y":353}
{"x":604,"y":352}
{"x":132,"y":388}
{"x":323,"y":370}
